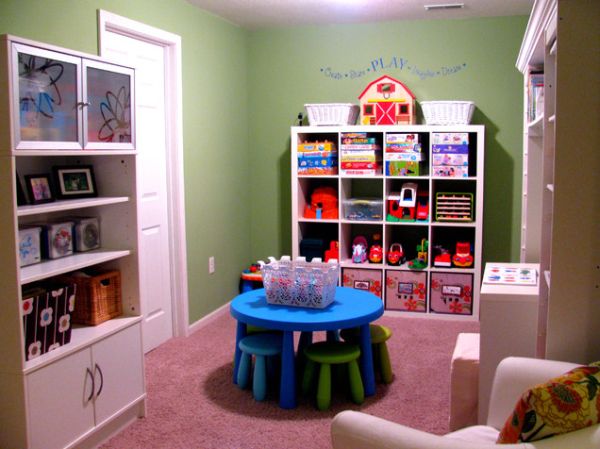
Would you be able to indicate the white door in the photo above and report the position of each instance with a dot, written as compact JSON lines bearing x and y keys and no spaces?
{"x":148,"y":59}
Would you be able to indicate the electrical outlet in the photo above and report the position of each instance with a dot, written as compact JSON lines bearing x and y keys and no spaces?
{"x":211,"y":264}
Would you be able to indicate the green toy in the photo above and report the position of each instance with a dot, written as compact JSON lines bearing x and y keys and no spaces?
{"x":421,"y":261}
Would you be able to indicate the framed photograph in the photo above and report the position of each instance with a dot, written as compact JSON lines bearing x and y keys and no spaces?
{"x":21,"y":198}
{"x":75,"y":181}
{"x":39,"y":188}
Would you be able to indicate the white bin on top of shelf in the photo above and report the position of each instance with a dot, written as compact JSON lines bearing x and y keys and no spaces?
{"x":447,"y":112}
{"x":300,"y":283}
{"x":322,"y":114}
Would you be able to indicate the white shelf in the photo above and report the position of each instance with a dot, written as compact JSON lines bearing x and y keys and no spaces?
{"x":410,"y":233}
{"x":66,"y":205}
{"x":76,"y":261}
{"x":79,"y":153}
{"x":536,"y":127}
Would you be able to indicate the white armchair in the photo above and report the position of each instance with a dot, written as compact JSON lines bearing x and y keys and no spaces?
{"x":514,"y":375}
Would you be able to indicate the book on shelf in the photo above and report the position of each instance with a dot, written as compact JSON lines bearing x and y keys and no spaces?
{"x":535,"y":95}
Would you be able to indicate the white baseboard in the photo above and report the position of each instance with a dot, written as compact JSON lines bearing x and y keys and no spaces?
{"x":205,"y":320}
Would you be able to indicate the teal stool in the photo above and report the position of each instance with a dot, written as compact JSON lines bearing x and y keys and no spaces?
{"x":381,"y":357}
{"x":327,"y":353}
{"x":261,"y":345}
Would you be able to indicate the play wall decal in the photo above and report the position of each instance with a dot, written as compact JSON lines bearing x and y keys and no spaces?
{"x":380,"y":64}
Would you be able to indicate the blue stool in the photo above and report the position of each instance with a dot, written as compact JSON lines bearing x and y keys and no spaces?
{"x":261,"y":346}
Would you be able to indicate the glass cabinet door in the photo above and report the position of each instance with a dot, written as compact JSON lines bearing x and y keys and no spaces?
{"x":46,"y":92}
{"x":109,"y":106}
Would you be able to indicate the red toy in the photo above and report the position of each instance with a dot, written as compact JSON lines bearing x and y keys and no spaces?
{"x":323,"y":204}
{"x":395,"y":255}
{"x":333,"y":252}
{"x":463,"y":257}
{"x":422,"y":206}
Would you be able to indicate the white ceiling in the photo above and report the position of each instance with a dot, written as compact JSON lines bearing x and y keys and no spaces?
{"x":255,"y":14}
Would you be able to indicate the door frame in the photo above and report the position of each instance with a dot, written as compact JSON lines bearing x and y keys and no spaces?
{"x":108,"y":21}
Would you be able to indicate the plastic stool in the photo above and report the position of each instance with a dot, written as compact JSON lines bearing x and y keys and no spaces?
{"x":327,"y":353}
{"x":381,"y":357}
{"x":261,"y":345}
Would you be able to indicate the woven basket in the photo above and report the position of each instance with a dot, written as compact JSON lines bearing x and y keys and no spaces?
{"x":447,"y":112}
{"x":98,"y":297}
{"x":332,"y":114}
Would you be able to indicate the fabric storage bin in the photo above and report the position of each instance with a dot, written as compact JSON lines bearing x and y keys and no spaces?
{"x":363,"y":279}
{"x":46,"y":314}
{"x":406,"y":291}
{"x":98,"y":296}
{"x":451,"y":293}
{"x":29,"y":245}
{"x":57,"y":239}
{"x":310,"y":248}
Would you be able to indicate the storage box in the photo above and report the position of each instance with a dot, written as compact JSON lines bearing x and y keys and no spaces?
{"x":46,"y":316}
{"x":402,"y":168}
{"x":29,"y":245}
{"x":86,"y":232}
{"x":332,"y":114}
{"x":363,"y":209}
{"x":363,"y":279}
{"x":451,"y":159}
{"x":57,"y":239}
{"x":400,"y":138}
{"x":299,"y":283}
{"x":451,"y":293}
{"x":406,"y":290}
{"x":450,"y":138}
{"x":98,"y":296}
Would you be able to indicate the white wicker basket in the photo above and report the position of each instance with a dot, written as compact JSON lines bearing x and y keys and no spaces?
{"x":299,"y":283}
{"x":447,"y":112}
{"x":322,"y":114}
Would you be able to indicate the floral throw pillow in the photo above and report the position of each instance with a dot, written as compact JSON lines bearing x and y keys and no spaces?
{"x":563,"y":404}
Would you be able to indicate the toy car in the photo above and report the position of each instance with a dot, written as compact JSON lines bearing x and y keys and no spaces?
{"x":463,"y":258}
{"x":395,"y":255}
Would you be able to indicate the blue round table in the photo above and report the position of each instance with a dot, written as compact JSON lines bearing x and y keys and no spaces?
{"x":350,"y":308}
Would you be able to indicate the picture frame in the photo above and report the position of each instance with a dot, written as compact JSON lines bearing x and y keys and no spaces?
{"x":39,"y":188}
{"x":75,"y":181}
{"x":21,"y":198}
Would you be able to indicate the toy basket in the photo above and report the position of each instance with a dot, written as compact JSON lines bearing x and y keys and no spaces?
{"x":98,"y":297}
{"x":332,"y":113}
{"x":299,"y":283}
{"x":447,"y":112}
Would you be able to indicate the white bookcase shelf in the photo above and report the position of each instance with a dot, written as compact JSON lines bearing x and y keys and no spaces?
{"x":399,"y":286}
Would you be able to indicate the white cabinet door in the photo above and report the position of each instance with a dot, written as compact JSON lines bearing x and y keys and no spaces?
{"x":119,"y":372}
{"x":60,"y":404}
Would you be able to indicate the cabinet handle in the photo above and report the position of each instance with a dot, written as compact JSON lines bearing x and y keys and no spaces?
{"x":89,"y":371}
{"x":97,"y":368}
{"x":82,"y":104}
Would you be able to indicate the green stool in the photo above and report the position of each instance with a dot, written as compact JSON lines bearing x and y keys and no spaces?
{"x":381,"y":357}
{"x":327,"y":353}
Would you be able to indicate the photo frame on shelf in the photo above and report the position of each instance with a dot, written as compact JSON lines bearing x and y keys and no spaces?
{"x":75,"y":181}
{"x":21,"y":198}
{"x":39,"y":188}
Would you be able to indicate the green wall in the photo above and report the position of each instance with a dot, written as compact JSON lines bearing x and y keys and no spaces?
{"x":215,"y":122}
{"x":243,"y":90}
{"x":475,"y":60}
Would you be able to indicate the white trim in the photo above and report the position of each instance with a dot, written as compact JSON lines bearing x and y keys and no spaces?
{"x":541,"y":14}
{"x":207,"y":319}
{"x":172,"y":43}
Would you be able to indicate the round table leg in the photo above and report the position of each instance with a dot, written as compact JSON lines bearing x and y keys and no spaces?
{"x":366,"y":360}
{"x":239,"y":334}
{"x":287,"y":392}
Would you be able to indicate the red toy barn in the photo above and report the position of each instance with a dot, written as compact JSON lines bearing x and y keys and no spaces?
{"x":386,"y":101}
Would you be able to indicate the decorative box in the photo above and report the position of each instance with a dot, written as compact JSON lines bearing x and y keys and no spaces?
{"x":451,"y":293}
{"x":363,"y":279}
{"x":57,"y":239}
{"x":363,"y":209}
{"x":406,"y":291}
{"x":299,"y":283}
{"x":450,"y":138}
{"x":402,"y":168}
{"x":86,"y":232}
{"x":29,"y":245}
{"x":46,"y":316}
